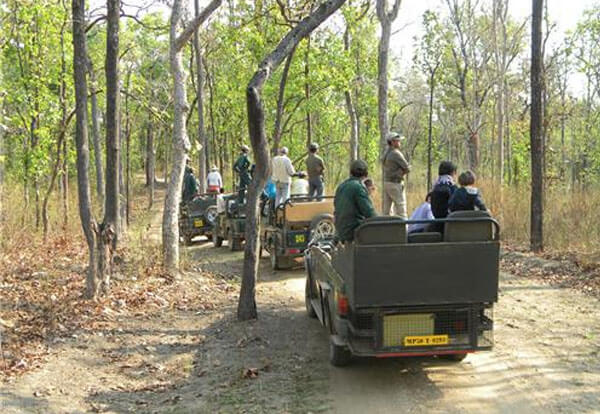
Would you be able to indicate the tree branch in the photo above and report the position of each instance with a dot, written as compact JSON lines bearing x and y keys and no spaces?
{"x":187,"y":33}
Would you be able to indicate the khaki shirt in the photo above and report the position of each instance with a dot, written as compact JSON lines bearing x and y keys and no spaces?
{"x":314,"y":166}
{"x":395,"y":166}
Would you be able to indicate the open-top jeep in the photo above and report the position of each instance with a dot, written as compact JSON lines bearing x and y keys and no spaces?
{"x":393,"y":294}
{"x":197,"y":217}
{"x":230,"y":224}
{"x":289,"y":227}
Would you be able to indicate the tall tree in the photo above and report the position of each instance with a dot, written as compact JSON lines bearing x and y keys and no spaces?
{"x":256,"y":128}
{"x":535,"y":129}
{"x":386,"y":18}
{"x":470,"y":58}
{"x":113,"y":133}
{"x":95,"y":114}
{"x":181,"y":142}
{"x":81,"y":141}
{"x":429,"y":56}
{"x":202,"y":138}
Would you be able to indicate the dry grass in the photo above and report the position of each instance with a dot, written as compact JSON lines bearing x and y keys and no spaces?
{"x":42,"y":281}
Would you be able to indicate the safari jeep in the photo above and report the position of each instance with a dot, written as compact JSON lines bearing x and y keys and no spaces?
{"x":393,"y":294}
{"x":230,"y":224}
{"x":291,"y":225}
{"x":197,"y":217}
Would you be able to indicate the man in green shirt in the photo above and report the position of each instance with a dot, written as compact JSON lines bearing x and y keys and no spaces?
{"x":242,"y":168}
{"x":190,"y":184}
{"x":315,"y":168}
{"x":352,"y":204}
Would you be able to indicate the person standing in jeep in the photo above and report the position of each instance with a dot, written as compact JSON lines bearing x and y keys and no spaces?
{"x":395,"y":167}
{"x":242,"y":168}
{"x":315,"y":168}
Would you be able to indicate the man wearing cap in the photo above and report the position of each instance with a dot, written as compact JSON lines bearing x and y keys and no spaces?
{"x":283,"y":171}
{"x":214,"y":181}
{"x":352,"y":204}
{"x":242,"y":168}
{"x":315,"y":168}
{"x":395,"y":167}
{"x":190,"y":185}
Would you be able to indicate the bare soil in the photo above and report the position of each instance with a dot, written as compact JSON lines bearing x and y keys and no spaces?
{"x":187,"y":354}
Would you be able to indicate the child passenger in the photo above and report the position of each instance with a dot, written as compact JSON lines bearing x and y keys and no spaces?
{"x":423,"y":212}
{"x":466,"y":197}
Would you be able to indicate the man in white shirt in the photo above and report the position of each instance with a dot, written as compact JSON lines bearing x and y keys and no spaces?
{"x":283,"y":171}
{"x":214,"y":181}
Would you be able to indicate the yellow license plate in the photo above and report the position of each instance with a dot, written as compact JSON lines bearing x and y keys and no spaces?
{"x":427,"y":340}
{"x":198,"y":223}
{"x":300,"y":238}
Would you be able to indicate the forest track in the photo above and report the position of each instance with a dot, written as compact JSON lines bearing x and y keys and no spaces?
{"x":199,"y":359}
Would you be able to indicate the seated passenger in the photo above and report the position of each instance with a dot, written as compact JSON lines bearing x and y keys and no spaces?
{"x":423,"y":212}
{"x":466,"y":197}
{"x":441,"y":192}
{"x":352,"y":204}
{"x":300,"y":185}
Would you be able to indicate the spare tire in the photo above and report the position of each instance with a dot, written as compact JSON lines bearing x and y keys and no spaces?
{"x":322,"y":227}
{"x":211,"y":214}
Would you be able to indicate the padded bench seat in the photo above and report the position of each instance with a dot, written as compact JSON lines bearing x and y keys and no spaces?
{"x":307,"y":210}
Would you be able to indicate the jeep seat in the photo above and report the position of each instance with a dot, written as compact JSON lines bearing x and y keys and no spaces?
{"x":381,"y":230}
{"x":468,"y":231}
{"x":304,"y":212}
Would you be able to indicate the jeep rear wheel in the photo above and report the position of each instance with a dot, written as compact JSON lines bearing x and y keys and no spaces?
{"x":216,"y":239}
{"x":308,"y":298}
{"x":281,"y":262}
{"x":453,"y":357}
{"x":235,"y":243}
{"x":339,"y":355}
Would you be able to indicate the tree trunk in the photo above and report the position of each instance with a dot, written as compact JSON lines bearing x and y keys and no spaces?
{"x":63,"y":125}
{"x":256,"y":127}
{"x":537,"y":178}
{"x":385,"y":19}
{"x":202,"y":138}
{"x":81,"y":140}
{"x":430,"y":127}
{"x":150,"y":163}
{"x":111,"y":224}
{"x":350,"y":107}
{"x":2,"y":132}
{"x":353,"y":126}
{"x":307,"y":92}
{"x":125,"y":188}
{"x":181,"y":143}
{"x":96,"y":134}
{"x":280,"y":101}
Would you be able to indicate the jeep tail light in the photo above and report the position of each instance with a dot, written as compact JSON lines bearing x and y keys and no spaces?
{"x":342,"y":304}
{"x":294,"y":251}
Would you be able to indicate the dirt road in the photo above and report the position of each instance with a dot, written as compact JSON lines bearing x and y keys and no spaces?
{"x":201,"y":360}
